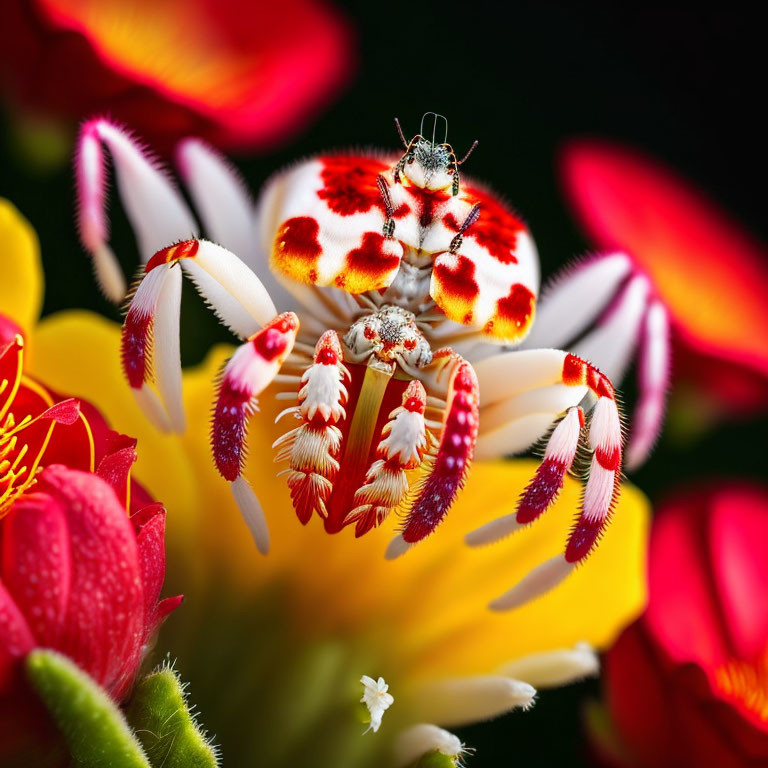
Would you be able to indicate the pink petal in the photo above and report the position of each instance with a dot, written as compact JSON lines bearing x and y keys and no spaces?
{"x":682,"y":612}
{"x":737,"y":539}
{"x":711,"y":274}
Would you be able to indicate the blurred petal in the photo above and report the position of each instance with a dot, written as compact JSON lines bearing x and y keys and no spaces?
{"x":16,"y":637}
{"x":242,"y":74}
{"x":682,"y":613}
{"x":712,"y":275}
{"x":740,"y":520}
{"x":21,"y":286}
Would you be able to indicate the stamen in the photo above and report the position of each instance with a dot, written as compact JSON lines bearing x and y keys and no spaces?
{"x":458,"y":701}
{"x":552,"y":669}
{"x":496,"y":530}
{"x":252,"y":513}
{"x":539,"y":581}
{"x":397,"y":547}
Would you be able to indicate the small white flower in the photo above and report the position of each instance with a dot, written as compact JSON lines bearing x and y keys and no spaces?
{"x":376,"y":698}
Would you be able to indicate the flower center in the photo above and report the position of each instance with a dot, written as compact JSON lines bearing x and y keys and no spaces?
{"x":746,"y":684}
{"x":18,"y":459}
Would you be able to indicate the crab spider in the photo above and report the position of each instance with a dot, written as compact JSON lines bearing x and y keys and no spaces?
{"x":417,"y":349}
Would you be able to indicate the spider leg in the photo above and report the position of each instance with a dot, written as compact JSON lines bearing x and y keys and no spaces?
{"x":247,"y":373}
{"x":448,"y":465}
{"x":151,"y":328}
{"x":542,"y":368}
{"x":313,"y":448}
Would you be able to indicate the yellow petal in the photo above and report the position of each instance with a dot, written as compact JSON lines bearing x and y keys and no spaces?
{"x":21,"y":280}
{"x":431,"y":603}
{"x":425,"y":614}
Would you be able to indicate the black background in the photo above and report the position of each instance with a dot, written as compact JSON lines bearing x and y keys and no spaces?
{"x":684,"y":83}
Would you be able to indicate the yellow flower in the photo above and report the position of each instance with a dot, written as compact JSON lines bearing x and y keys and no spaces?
{"x":274,"y":647}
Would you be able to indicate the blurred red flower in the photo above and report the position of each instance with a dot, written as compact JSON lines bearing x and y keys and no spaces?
{"x":82,"y":558}
{"x":241,"y":73}
{"x":687,"y":684}
{"x":712,"y":276}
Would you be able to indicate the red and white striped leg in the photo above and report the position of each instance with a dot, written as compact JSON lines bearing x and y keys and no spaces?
{"x":602,"y":487}
{"x":402,"y":445}
{"x":151,"y":328}
{"x":313,"y":448}
{"x":449,"y":464}
{"x":247,"y":373}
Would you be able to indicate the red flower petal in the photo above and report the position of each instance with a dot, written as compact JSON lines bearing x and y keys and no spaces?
{"x":738,"y":543}
{"x":237,"y":72}
{"x":639,"y":697}
{"x":115,"y":469}
{"x":683,"y":615}
{"x":712,"y":275}
{"x":8,"y":330}
{"x":36,"y":565}
{"x":150,"y":540}
{"x":104,"y":627}
{"x":15,"y":635}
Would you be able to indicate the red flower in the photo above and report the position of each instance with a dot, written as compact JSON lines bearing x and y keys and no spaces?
{"x":687,"y":684}
{"x":712,"y":276}
{"x":82,"y":557}
{"x":241,"y":73}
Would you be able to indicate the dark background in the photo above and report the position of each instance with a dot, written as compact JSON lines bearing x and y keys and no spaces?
{"x":686,"y":84}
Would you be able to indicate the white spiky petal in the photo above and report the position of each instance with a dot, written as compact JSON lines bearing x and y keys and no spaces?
{"x":551,"y":669}
{"x":420,"y":739}
{"x":458,"y":701}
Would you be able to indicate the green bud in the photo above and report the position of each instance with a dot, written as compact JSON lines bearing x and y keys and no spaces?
{"x":160,"y":715}
{"x":92,"y":725}
{"x":435,"y":759}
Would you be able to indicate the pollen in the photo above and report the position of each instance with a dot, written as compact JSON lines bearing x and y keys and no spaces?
{"x":746,"y":684}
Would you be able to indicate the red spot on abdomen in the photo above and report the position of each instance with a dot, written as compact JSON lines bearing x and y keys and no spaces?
{"x":297,"y":248}
{"x":514,"y":313}
{"x":371,"y":265}
{"x":349,"y":183}
{"x":496,"y":229}
{"x":456,"y":286}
